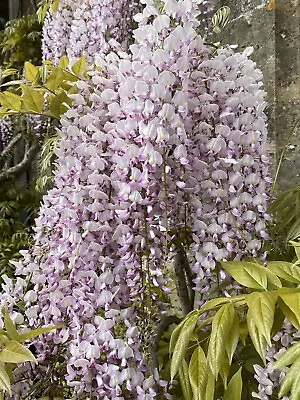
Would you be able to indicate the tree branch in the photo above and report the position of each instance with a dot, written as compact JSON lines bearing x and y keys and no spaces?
{"x":180,"y":267}
{"x":10,"y":146}
{"x":22,"y":166}
{"x":190,"y":278}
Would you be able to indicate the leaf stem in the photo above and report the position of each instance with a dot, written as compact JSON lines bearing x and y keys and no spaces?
{"x":283,"y":153}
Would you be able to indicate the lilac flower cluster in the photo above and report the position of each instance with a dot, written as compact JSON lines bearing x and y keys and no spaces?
{"x":163,"y":138}
{"x":99,"y":27}
{"x":56,"y":30}
{"x":228,"y":208}
{"x":88,"y":28}
{"x":206,"y":17}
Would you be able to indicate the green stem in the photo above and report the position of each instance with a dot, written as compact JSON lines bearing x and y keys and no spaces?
{"x":147,"y":254}
{"x":282,"y":154}
{"x":166,"y":205}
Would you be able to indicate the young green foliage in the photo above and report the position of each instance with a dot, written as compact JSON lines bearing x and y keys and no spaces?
{"x":13,"y":351}
{"x":236,"y":324}
{"x":44,"y":90}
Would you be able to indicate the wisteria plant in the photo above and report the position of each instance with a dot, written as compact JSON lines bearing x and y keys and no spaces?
{"x":161,"y":180}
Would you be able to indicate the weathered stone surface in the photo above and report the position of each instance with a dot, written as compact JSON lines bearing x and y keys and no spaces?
{"x":274,"y":34}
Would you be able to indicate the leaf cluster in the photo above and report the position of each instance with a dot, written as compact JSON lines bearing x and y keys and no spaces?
{"x":13,"y":352}
{"x":220,"y":19}
{"x":47,"y":155}
{"x":21,"y":41}
{"x":285,"y":210}
{"x":44,"y":6}
{"x":211,"y":348}
{"x":18,"y":207}
{"x":44,"y":90}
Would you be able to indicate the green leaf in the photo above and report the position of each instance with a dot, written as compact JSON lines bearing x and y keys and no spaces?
{"x":185,"y":381}
{"x":31,"y":71}
{"x":33,"y":99}
{"x":285,"y":270}
{"x":295,"y":392}
{"x":55,"y":79}
{"x":261,"y":308}
{"x":10,"y":327}
{"x":54,"y":5}
{"x":42,"y":11}
{"x":220,"y":332}
{"x":182,"y":344}
{"x":294,"y":231}
{"x":247,"y":274}
{"x":220,"y":19}
{"x":260,"y":319}
{"x":37,"y":332}
{"x":11,"y":101}
{"x":243,"y":330}
{"x":279,"y":318}
{"x":44,"y":69}
{"x":4,"y":339}
{"x":197,"y":373}
{"x":296,"y":246}
{"x":290,"y":305}
{"x":176,"y":331}
{"x":8,"y":72}
{"x":79,"y":66}
{"x":273,"y":281}
{"x":233,"y":337}
{"x":4,"y":379}
{"x":12,"y":83}
{"x":72,"y":90}
{"x":210,"y":385}
{"x":57,"y":108}
{"x":225,"y":370}
{"x":235,"y":386}
{"x":174,"y":336}
{"x":288,"y":357}
{"x":14,"y":352}
{"x":214,"y":303}
{"x":9,"y":368}
{"x":70,"y":77}
{"x":63,"y":62}
{"x":290,"y":379}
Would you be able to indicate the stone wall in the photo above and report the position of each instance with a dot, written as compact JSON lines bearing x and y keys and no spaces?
{"x":274,"y":34}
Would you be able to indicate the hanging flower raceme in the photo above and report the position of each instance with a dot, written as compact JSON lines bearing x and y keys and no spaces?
{"x":87,"y":28}
{"x":84,"y":265}
{"x":56,"y":30}
{"x":102,"y":231}
{"x":228,"y":217}
{"x":99,"y":27}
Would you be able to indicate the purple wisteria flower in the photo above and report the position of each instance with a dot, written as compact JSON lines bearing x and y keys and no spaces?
{"x":87,"y":28}
{"x":56,"y":30}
